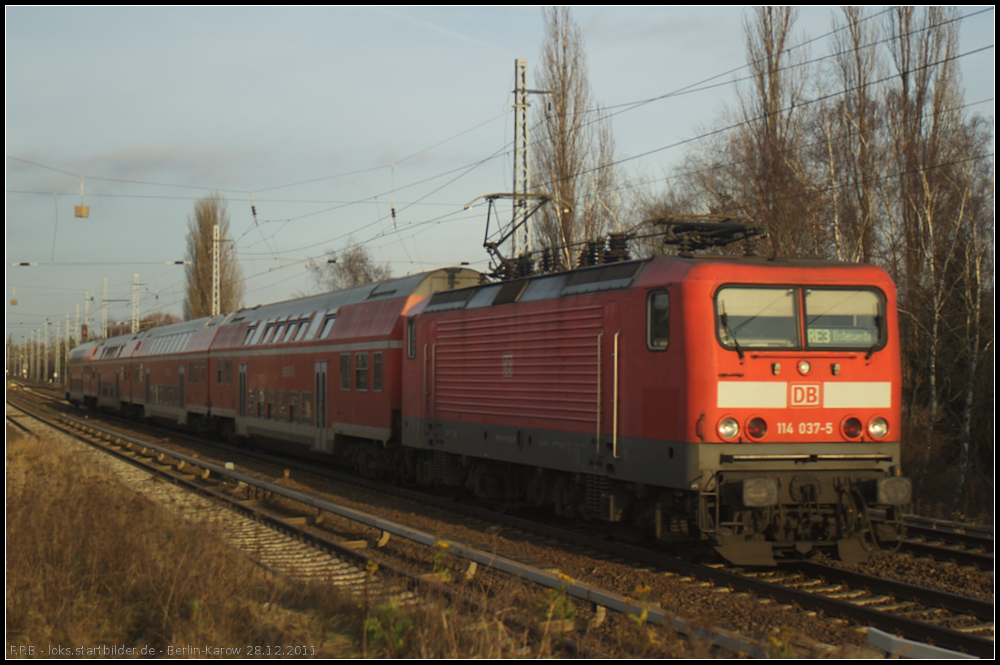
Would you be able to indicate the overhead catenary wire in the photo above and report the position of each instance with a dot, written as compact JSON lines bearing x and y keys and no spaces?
{"x":416,"y":226}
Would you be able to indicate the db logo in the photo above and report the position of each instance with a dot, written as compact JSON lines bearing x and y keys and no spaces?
{"x":805,"y":394}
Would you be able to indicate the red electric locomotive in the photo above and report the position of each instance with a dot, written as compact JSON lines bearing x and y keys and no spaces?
{"x":754,"y":402}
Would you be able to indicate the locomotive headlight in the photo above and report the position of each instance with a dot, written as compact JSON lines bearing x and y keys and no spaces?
{"x":804,"y":367}
{"x":760,"y":492}
{"x":728,"y":428}
{"x":878,"y":428}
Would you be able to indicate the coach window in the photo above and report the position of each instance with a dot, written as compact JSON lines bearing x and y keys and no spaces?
{"x":260,"y":403}
{"x":314,"y":325}
{"x":270,"y":405}
{"x":258,"y":333}
{"x":282,"y":405}
{"x":361,"y":371}
{"x":377,"y":371}
{"x":658,"y":321}
{"x":345,"y":371}
{"x":252,"y":402}
{"x":303,"y":329}
{"x":327,"y":326}
{"x":293,"y":406}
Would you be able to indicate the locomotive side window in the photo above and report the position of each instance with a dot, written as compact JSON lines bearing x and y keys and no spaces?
{"x":658,"y":321}
{"x":345,"y":371}
{"x":377,"y":371}
{"x":748,"y":317}
{"x":841,"y":318}
{"x":361,"y":371}
{"x":411,"y":339}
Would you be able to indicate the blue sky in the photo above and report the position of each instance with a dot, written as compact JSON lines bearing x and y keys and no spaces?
{"x":328,"y":116}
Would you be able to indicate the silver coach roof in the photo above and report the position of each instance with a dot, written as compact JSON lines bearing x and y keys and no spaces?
{"x":424,"y":283}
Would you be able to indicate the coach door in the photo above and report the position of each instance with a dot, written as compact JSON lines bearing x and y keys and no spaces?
{"x":323,"y":442}
{"x":241,"y":423}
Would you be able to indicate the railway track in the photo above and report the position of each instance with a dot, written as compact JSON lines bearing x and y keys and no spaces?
{"x":950,"y":541}
{"x":227,"y":509}
{"x":856,"y":601}
{"x":277,"y":542}
{"x":946,"y":620}
{"x":944,"y":625}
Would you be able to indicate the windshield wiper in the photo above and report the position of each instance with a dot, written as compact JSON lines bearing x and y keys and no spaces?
{"x":724,"y":318}
{"x":878,"y":336}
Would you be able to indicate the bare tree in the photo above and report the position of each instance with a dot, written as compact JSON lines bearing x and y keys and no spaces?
{"x":210,"y":212}
{"x":154,"y":320}
{"x":850,"y":148}
{"x":352,"y":267}
{"x":573,"y":158}
{"x":757,"y":170}
{"x":884,"y":166}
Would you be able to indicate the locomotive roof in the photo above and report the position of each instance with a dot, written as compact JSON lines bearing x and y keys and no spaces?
{"x":758,"y":268}
{"x":655,"y":271}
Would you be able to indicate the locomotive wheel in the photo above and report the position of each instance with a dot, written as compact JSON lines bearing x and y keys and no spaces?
{"x":852,"y":518}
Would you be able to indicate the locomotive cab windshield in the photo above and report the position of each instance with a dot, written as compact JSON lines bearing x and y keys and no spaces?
{"x":766,"y":317}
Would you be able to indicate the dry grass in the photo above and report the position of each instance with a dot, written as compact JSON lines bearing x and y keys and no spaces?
{"x":91,"y":565}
